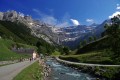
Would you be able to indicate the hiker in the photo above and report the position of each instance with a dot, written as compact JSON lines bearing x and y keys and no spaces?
{"x":30,"y":59}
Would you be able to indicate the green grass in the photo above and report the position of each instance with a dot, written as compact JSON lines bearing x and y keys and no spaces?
{"x":27,"y":46}
{"x":56,"y":53}
{"x":7,"y":54}
{"x":20,"y":33}
{"x":99,"y":44}
{"x":33,"y":72}
{"x":110,"y":73}
{"x":91,"y":57}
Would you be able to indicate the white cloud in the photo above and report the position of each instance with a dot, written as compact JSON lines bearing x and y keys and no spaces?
{"x":90,"y":20}
{"x":46,"y":18}
{"x":75,"y":22}
{"x":63,"y":24}
{"x":114,"y":14}
{"x":65,"y":21}
{"x":118,"y":7}
{"x":117,"y":4}
{"x":50,"y":19}
{"x":117,"y":12}
{"x":38,"y":12}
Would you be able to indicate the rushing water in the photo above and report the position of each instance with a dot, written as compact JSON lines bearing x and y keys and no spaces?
{"x":61,"y":72}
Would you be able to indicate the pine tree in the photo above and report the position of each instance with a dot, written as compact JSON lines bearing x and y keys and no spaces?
{"x":113,"y":33}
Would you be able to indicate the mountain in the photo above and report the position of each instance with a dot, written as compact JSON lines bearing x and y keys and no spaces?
{"x":83,"y":32}
{"x":94,"y":25}
{"x":68,"y":36}
{"x":47,"y":32}
{"x":38,"y":29}
{"x":100,"y":28}
{"x":74,"y":34}
{"x":20,"y":29}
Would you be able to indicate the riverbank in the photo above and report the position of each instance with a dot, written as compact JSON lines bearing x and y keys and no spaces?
{"x":62,"y":72}
{"x":37,"y":71}
{"x":46,"y":70}
{"x":95,"y":57}
{"x":101,"y":72}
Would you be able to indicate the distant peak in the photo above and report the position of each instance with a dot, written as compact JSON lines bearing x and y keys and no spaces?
{"x":94,"y":25}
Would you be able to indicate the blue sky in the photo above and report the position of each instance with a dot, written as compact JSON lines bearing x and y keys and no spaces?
{"x":64,"y":12}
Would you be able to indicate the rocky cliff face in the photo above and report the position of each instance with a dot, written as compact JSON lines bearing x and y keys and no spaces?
{"x":1,"y":16}
{"x":10,"y":16}
{"x":84,"y":33}
{"x":74,"y":34}
{"x":38,"y":28}
{"x":66,"y":36}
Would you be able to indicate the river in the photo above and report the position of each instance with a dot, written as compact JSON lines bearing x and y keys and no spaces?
{"x":61,"y":72}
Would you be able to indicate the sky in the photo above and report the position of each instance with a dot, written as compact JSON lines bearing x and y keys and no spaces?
{"x":63,"y":13}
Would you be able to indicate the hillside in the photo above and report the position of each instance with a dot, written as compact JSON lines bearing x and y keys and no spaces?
{"x":7,"y":54}
{"x":34,"y":27}
{"x":68,"y":35}
{"x":105,"y":50}
{"x":5,"y":33}
{"x":97,"y":45}
{"x":19,"y":32}
{"x":97,"y":52}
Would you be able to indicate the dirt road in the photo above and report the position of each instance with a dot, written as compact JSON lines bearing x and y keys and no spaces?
{"x":8,"y":72}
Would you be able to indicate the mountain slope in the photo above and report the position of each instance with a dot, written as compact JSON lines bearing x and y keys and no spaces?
{"x":95,"y":32}
{"x":68,"y":36}
{"x":5,"y":33}
{"x":37,"y":28}
{"x":21,"y":33}
{"x":100,"y":44}
{"x":19,"y":30}
{"x":7,"y":54}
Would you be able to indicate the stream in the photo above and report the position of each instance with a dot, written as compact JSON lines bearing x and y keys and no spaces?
{"x":61,"y":72}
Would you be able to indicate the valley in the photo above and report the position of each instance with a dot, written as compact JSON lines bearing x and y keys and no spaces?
{"x":88,"y":52}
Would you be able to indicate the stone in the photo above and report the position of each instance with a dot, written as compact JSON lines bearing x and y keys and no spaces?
{"x":10,"y":15}
{"x":28,"y":18}
{"x":1,"y":16}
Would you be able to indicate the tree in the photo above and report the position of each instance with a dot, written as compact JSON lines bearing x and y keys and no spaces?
{"x":90,"y":39}
{"x":84,"y":43}
{"x":66,"y":50}
{"x":113,"y":33}
{"x":42,"y":49}
{"x":80,"y":45}
{"x":94,"y":38}
{"x":38,"y":44}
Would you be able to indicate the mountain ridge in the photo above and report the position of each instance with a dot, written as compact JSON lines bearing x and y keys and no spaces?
{"x":51,"y":34}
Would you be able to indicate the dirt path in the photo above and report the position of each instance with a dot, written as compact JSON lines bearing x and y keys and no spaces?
{"x":8,"y":72}
{"x":86,"y":64}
